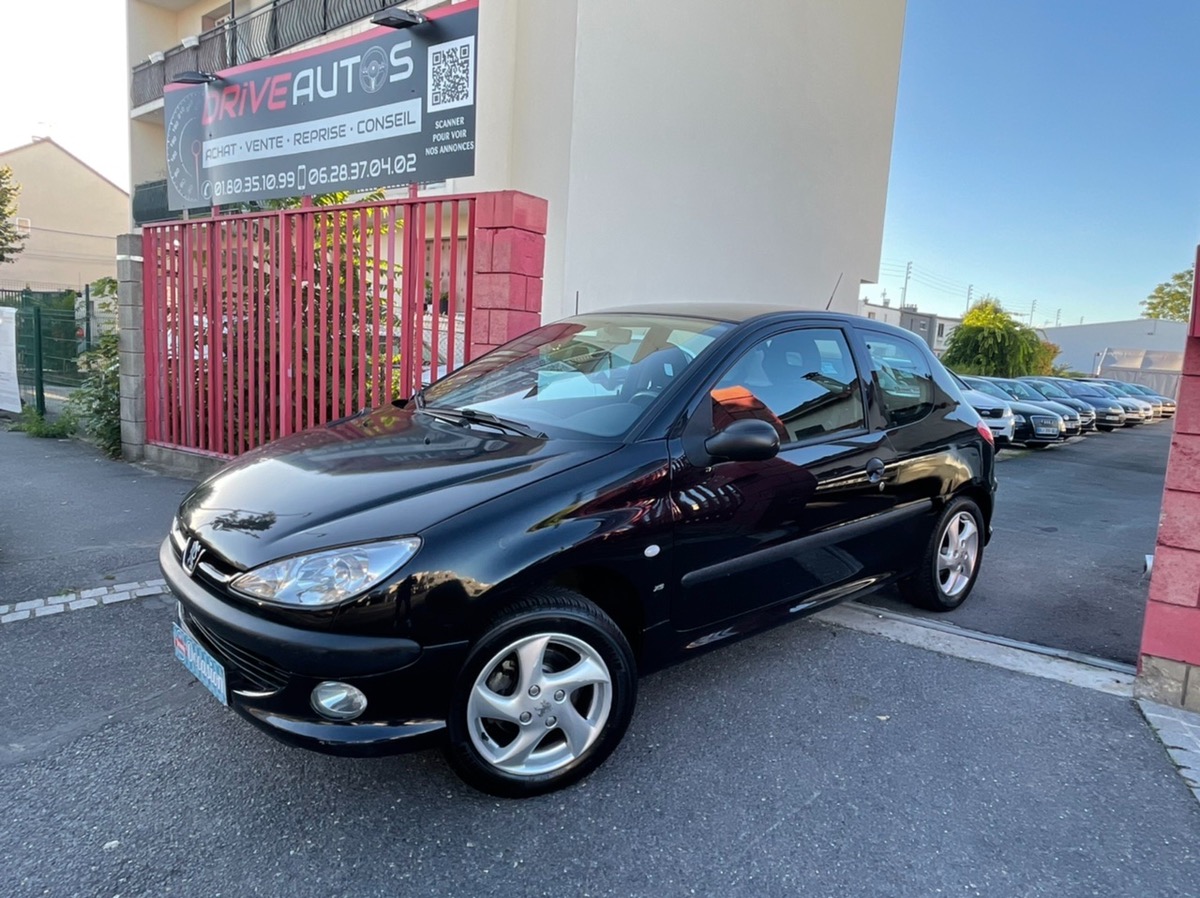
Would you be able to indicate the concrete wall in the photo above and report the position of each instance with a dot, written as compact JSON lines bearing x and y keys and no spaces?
{"x":75,"y":215}
{"x":721,"y":155}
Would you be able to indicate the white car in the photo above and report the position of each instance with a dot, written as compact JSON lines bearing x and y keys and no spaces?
{"x":996,"y":413}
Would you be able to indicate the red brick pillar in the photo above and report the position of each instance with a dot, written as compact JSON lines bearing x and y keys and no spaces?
{"x":1169,"y":663}
{"x":510,"y":255}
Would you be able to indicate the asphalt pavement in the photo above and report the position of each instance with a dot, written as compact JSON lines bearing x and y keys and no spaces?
{"x":810,"y":760}
{"x":1073,"y":525}
{"x":72,"y":519}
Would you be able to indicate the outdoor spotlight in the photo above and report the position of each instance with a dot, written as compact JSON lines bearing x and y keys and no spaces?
{"x":195,"y":78}
{"x":398,"y":18}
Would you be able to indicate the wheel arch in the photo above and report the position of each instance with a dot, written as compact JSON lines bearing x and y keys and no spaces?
{"x":609,"y":590}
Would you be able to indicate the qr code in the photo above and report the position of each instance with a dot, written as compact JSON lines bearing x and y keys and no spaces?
{"x":451,"y":74}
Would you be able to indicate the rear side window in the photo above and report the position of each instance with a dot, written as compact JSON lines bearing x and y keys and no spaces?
{"x":904,"y":377}
{"x":802,"y":382}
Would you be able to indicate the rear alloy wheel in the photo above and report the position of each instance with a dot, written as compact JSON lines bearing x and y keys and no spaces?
{"x":950,"y":565}
{"x":544,"y":697}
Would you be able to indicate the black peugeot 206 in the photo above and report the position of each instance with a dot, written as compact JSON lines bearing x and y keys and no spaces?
{"x":492,"y":563}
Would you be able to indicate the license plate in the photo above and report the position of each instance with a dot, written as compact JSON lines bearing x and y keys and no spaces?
{"x":1047,"y":432}
{"x":203,"y":666}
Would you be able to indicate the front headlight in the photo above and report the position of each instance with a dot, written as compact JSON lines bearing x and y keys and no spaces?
{"x":326,"y":578}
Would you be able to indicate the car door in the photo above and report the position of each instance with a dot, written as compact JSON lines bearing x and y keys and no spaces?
{"x":794,"y":527}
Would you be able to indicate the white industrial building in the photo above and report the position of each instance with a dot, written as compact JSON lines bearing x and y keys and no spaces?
{"x":1144,"y":350}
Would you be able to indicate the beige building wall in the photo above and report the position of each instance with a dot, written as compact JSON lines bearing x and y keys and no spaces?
{"x":74,"y":214}
{"x":684,"y":160}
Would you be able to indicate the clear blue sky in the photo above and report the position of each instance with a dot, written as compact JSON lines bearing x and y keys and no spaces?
{"x":1044,"y":150}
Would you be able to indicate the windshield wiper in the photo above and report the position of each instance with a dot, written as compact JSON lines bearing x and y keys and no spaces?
{"x":474,"y":416}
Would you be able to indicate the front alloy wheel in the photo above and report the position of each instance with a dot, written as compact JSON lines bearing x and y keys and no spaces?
{"x":544,"y":697}
{"x":539,"y":704}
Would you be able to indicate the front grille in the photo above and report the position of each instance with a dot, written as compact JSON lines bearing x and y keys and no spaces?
{"x":248,"y":671}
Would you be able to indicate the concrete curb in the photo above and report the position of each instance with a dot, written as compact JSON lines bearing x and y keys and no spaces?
{"x":81,"y":599}
{"x":964,"y":645}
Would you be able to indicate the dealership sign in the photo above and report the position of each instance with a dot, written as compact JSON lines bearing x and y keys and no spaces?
{"x":383,"y":108}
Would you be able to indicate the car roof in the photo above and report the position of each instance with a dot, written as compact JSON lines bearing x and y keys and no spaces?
{"x":738,"y":312}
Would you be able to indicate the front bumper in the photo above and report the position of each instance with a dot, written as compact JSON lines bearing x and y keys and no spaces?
{"x":271,"y":670}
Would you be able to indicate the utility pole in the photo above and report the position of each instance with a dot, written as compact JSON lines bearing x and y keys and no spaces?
{"x":1058,"y":318}
{"x":1031,"y":311}
{"x":970,"y":289}
{"x":904,"y":289}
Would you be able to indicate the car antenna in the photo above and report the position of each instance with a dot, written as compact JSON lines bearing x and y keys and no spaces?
{"x":834,"y":293}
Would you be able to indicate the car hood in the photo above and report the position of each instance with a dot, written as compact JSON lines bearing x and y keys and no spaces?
{"x":1132,"y":404}
{"x":978,"y":400}
{"x":1029,"y":408}
{"x":390,"y":472}
{"x":1058,"y":408}
{"x":1077,"y":404}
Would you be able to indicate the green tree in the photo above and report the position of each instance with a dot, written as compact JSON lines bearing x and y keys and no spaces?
{"x":11,"y":240}
{"x":991,"y":342}
{"x":1171,"y":299}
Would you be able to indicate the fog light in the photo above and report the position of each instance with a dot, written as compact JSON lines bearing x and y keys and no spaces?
{"x":338,"y":701}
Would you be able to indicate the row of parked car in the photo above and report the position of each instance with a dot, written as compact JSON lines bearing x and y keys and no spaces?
{"x":1039,"y":411}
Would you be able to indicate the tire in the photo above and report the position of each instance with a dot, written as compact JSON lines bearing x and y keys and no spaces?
{"x":505,"y":728}
{"x":943,"y":582}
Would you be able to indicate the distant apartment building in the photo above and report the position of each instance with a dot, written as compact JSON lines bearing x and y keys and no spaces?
{"x":934,"y":329}
{"x":625,"y":116}
{"x":70,"y":215}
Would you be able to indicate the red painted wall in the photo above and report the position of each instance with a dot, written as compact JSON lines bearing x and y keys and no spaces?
{"x":1172,"y":627}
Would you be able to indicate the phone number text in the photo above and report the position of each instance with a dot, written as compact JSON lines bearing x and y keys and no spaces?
{"x":304,"y":178}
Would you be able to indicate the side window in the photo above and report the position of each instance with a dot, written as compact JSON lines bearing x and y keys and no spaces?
{"x":804,"y":382}
{"x":905,"y":379}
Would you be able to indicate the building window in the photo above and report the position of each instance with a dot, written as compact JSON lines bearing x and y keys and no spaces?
{"x":924,"y":325}
{"x":941,"y":329}
{"x":871,"y":315}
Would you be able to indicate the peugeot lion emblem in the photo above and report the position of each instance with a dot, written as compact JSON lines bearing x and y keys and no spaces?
{"x":191,"y":556}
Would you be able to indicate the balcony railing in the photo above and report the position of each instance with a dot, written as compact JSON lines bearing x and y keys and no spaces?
{"x":255,"y":35}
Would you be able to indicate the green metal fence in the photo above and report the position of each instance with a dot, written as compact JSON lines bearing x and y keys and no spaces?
{"x":53,"y":330}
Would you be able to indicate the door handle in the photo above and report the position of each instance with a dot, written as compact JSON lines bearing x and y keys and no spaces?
{"x":875,"y":471}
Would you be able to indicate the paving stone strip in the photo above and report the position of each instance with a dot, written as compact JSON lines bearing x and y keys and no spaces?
{"x":1179,"y":732}
{"x":84,"y":598}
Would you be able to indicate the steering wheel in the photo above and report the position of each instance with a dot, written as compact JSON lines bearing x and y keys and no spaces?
{"x":643,"y":398}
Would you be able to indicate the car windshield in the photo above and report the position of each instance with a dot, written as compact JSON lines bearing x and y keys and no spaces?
{"x":1085,"y":391}
{"x":986,"y":386}
{"x":1048,"y":390}
{"x":1023,"y":391}
{"x":590,"y":376}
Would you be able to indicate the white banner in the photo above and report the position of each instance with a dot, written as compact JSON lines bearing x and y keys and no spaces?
{"x":10,"y":392}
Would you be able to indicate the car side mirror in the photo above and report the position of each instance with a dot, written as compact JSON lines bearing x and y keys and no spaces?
{"x":749,"y":439}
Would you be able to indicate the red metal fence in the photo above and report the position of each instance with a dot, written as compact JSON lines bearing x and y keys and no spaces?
{"x":264,"y":324}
